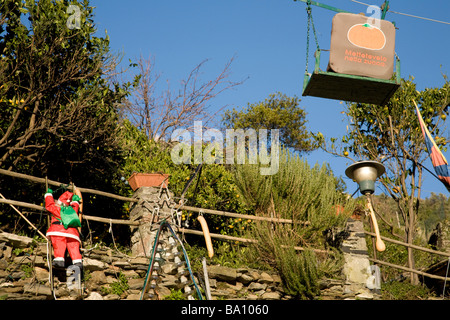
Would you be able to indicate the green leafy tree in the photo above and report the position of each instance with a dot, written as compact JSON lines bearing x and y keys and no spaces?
{"x":55,"y":98}
{"x":391,"y":134}
{"x":58,"y":107}
{"x":213,"y":188}
{"x":278,"y":111}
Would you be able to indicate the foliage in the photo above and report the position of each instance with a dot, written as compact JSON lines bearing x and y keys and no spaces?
{"x":298,"y":192}
{"x":58,"y":107}
{"x":299,"y":272}
{"x":308,"y":196}
{"x":433,"y":210}
{"x":118,"y":287}
{"x":278,"y":111}
{"x":391,"y":134}
{"x":397,"y":290}
{"x":212,"y":188}
{"x":175,"y":295}
{"x":229,"y":254}
{"x":430,"y":211}
{"x":56,"y":104}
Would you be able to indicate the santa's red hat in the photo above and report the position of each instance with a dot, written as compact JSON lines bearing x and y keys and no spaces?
{"x":66,"y":197}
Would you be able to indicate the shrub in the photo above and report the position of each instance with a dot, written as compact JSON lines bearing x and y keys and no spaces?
{"x":396,"y":290}
{"x":308,"y":196}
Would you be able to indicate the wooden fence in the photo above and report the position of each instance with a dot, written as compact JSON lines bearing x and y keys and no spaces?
{"x":39,"y":208}
{"x":419,"y":272}
{"x":208,"y":211}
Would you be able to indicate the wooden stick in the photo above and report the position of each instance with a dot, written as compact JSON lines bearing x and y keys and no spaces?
{"x":244,"y":240}
{"x":429,"y":275}
{"x":56,"y":183}
{"x":445,"y":254}
{"x":108,"y":220}
{"x":86,"y":217}
{"x":207,"y":285}
{"x":217,"y":236}
{"x":25,"y":218}
{"x":236,"y":215}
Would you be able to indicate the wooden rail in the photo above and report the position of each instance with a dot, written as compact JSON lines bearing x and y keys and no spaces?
{"x":445,"y":254}
{"x":56,"y":183}
{"x":244,"y":240}
{"x":134,"y":200}
{"x":86,"y":217}
{"x":419,"y":272}
{"x":238,"y":215}
{"x":136,"y":223}
{"x":207,"y":211}
{"x":429,"y":275}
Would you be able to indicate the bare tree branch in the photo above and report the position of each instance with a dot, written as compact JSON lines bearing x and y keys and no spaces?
{"x":159,"y":115}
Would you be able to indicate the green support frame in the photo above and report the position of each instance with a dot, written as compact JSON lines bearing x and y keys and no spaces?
{"x":345,"y":87}
{"x":321,"y":5}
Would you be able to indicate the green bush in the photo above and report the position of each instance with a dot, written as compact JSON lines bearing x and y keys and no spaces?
{"x":175,"y":295}
{"x":308,"y":196}
{"x":213,"y":188}
{"x":396,"y":290}
{"x":118,"y":287}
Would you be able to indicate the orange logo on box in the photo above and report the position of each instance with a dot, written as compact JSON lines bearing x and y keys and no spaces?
{"x":366,"y":36}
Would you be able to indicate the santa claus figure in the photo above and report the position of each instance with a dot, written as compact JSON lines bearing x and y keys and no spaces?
{"x":64,"y":235}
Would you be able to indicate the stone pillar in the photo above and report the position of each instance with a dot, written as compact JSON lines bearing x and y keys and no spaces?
{"x":361,"y":277}
{"x":153,"y":206}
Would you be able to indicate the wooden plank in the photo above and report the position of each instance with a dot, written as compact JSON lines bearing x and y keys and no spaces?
{"x":217,"y":236}
{"x":113,"y":221}
{"x":344,"y":87}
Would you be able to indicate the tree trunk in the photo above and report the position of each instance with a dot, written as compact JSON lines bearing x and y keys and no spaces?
{"x":410,"y":238}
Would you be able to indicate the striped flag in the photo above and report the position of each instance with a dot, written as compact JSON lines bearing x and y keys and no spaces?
{"x":438,"y":160}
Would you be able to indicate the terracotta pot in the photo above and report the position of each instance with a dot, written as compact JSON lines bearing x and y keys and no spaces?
{"x":138,"y":180}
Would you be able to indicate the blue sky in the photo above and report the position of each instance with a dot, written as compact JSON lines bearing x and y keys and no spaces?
{"x":268,"y":40}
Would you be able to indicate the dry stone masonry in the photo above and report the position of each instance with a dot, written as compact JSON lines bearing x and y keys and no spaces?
{"x":111,"y":275}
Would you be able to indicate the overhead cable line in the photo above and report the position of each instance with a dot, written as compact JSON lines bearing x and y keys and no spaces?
{"x":406,"y":14}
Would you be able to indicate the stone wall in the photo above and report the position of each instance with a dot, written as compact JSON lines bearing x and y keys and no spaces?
{"x":111,"y":275}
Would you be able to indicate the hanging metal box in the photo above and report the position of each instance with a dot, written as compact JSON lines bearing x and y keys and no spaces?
{"x":361,"y":65}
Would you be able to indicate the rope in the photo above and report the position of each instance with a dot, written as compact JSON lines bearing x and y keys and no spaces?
{"x":110,"y":230}
{"x":308,"y":31}
{"x":418,"y":17}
